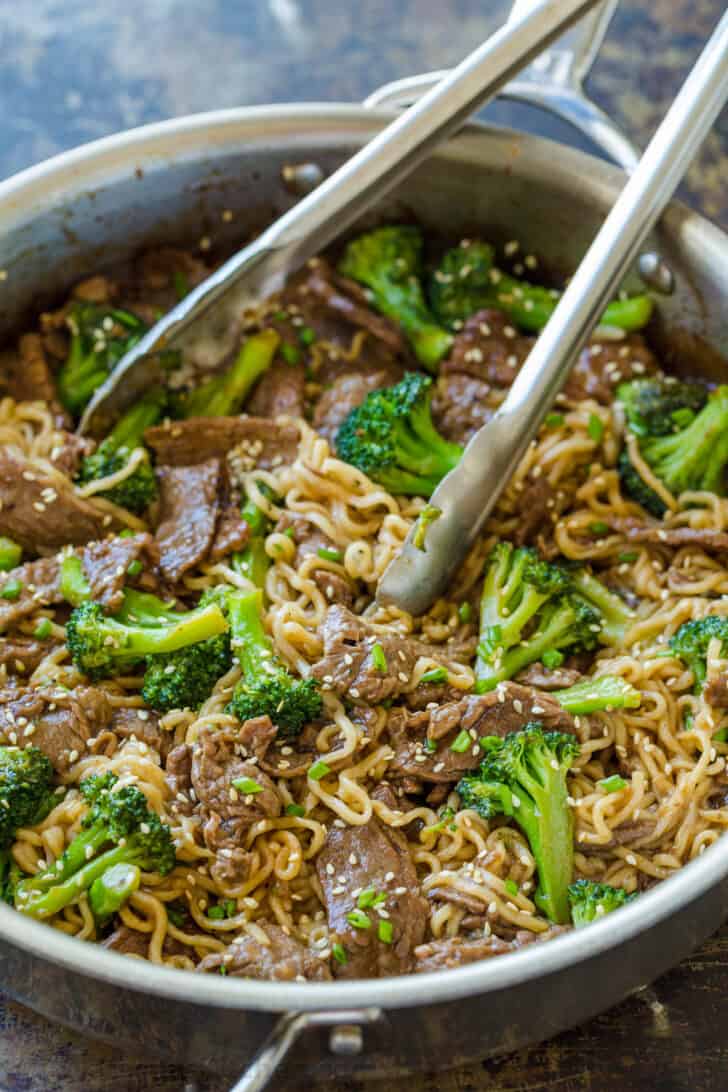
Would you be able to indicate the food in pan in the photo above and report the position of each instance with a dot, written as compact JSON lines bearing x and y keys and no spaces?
{"x":217,"y":751}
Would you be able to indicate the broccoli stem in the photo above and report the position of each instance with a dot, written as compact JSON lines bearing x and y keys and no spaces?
{"x":74,"y":586}
{"x":128,"y":432}
{"x":110,"y":891}
{"x":253,"y":562}
{"x":531,"y":306}
{"x":225,"y":394}
{"x":556,"y":633}
{"x":598,"y":695}
{"x":616,"y":615}
{"x":250,"y":642}
{"x":49,"y":900}
{"x":10,"y":554}
{"x":137,"y":640}
{"x":548,"y":820}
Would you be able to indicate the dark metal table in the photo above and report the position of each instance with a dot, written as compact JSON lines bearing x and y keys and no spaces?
{"x":73,"y":71}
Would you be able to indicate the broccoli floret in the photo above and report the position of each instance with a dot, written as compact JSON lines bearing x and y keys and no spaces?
{"x":391,"y":438}
{"x":527,"y":610}
{"x":389,"y":262}
{"x":693,"y":458}
{"x":658,"y":406}
{"x":101,"y":647}
{"x":119,"y":828}
{"x":267,"y":686}
{"x":598,"y":695}
{"x":100,"y":337}
{"x":616,"y":616}
{"x":590,"y":901}
{"x":524,"y":777}
{"x":690,"y":642}
{"x":108,"y":893}
{"x":11,"y":554}
{"x":186,"y":678}
{"x":466,"y":281}
{"x":225,"y":394}
{"x":136,"y":492}
{"x":26,"y":794}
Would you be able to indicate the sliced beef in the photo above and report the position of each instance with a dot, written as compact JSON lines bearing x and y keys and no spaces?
{"x":459,"y":406}
{"x":131,"y":942}
{"x":40,"y":587}
{"x":28,"y":377}
{"x":188,"y":510}
{"x":60,"y":722}
{"x":603,"y":365}
{"x":348,"y":666}
{"x":372,"y":856}
{"x":544,"y":678}
{"x":249,"y":441}
{"x":143,"y":724}
{"x":347,"y":300}
{"x":441,"y":955}
{"x":283,"y":959}
{"x":628,"y":834}
{"x":43,"y":513}
{"x":309,"y":539}
{"x":279,"y":391}
{"x":67,"y":454}
{"x":346,"y":392}
{"x":231,"y":530}
{"x":716,"y":691}
{"x":656,"y":535}
{"x":290,"y":757}
{"x":536,"y":511}
{"x":21,"y":655}
{"x":106,"y":566}
{"x":422,"y":742}
{"x":488,"y":348}
{"x":256,"y":736}
{"x":178,"y":776}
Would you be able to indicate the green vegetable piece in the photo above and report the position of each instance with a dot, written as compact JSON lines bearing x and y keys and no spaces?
{"x":11,"y":589}
{"x":247,"y":786}
{"x":690,"y":642}
{"x":435,"y":675}
{"x":552,"y":659}
{"x":598,"y":695}
{"x":379,"y":660}
{"x":590,"y":901}
{"x":461,"y":742}
{"x":43,"y":629}
{"x":511,"y":886}
{"x":359,"y":919}
{"x":100,"y":337}
{"x":225,"y":395}
{"x":318,"y":770}
{"x":112,"y":889}
{"x":290,"y":353}
{"x":385,"y":931}
{"x":327,"y":554}
{"x":615,"y":783}
{"x":595,"y":428}
{"x":295,"y":810}
{"x":427,"y":516}
{"x":180,"y":283}
{"x":465,"y":612}
{"x":339,"y":953}
{"x":10,"y":554}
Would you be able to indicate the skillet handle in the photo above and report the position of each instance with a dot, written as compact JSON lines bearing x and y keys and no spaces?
{"x":345,"y":1038}
{"x":554,"y":82}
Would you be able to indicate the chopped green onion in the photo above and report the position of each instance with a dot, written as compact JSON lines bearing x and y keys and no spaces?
{"x":319,"y":770}
{"x":43,"y":629}
{"x":11,"y":588}
{"x":181,"y":285}
{"x":338,"y":951}
{"x":599,"y":527}
{"x":552,"y":658}
{"x":385,"y":931}
{"x":10,"y":553}
{"x":721,"y":736}
{"x":295,"y":810}
{"x":223,"y":970}
{"x":464,"y":612}
{"x":176,"y":915}
{"x":290,"y":353}
{"x":306,"y":335}
{"x":630,"y":555}
{"x":595,"y":428}
{"x":134,"y":567}
{"x":430,"y":746}
{"x":428,"y":515}
{"x":225,"y":909}
{"x":511,"y":886}
{"x":461,"y":742}
{"x":247,"y":786}
{"x":615,"y":783}
{"x":554,"y":420}
{"x":279,"y":316}
{"x":370,"y":897}
{"x":289,"y":533}
{"x":435,"y":675}
{"x":328,"y":555}
{"x":435,"y":828}
{"x":359,"y":919}
{"x":378,"y":658}
{"x":688,"y":722}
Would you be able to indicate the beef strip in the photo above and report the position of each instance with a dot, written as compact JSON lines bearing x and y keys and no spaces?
{"x":253,"y":441}
{"x":636,"y":530}
{"x":603,"y":365}
{"x":21,"y":655}
{"x":231,"y":531}
{"x":347,"y":300}
{"x":28,"y":377}
{"x":279,"y":391}
{"x":496,"y":713}
{"x":178,"y":777}
{"x":347,"y":666}
{"x":371,"y":856}
{"x":309,"y":539}
{"x":536,"y":510}
{"x":300,"y":753}
{"x":627,"y":834}
{"x":346,"y":392}
{"x":283,"y":959}
{"x":106,"y":566}
{"x":188,"y":510}
{"x":459,"y":406}
{"x":66,"y":456}
{"x":131,"y":942}
{"x":440,"y":955}
{"x":256,"y":736}
{"x":144,"y":725}
{"x":716,"y":691}
{"x":544,"y":678}
{"x":40,"y":587}
{"x":60,"y":722}
{"x":41,"y":513}
{"x":488,"y":348}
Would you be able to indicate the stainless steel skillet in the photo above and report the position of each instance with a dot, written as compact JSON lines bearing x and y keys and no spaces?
{"x":172,"y":182}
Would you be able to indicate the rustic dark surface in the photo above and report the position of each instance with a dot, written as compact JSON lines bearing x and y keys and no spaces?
{"x":73,"y":71}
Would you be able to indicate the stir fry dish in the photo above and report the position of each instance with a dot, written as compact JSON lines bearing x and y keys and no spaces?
{"x":219,"y":752}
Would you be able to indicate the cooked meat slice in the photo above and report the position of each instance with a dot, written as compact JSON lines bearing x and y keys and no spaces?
{"x":144,"y":725}
{"x":347,"y":300}
{"x":544,"y":678}
{"x":40,"y":587}
{"x":716,"y":691}
{"x":188,"y":509}
{"x":310,"y":539}
{"x":28,"y":377}
{"x":178,"y":776}
{"x":300,"y":753}
{"x":249,"y":441}
{"x":439,"y":955}
{"x":628,"y":834}
{"x":106,"y":566}
{"x":279,"y":391}
{"x":427,"y":693}
{"x":656,"y":535}
{"x":60,"y":722}
{"x":603,"y":365}
{"x":21,"y":655}
{"x":256,"y":736}
{"x":459,"y":406}
{"x":422,"y":742}
{"x":372,"y":856}
{"x":536,"y":510}
{"x":131,"y":942}
{"x":283,"y":959}
{"x":66,"y":456}
{"x":226,"y":813}
{"x":44,"y":513}
{"x":231,"y":532}
{"x":488,"y":348}
{"x":346,"y":392}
